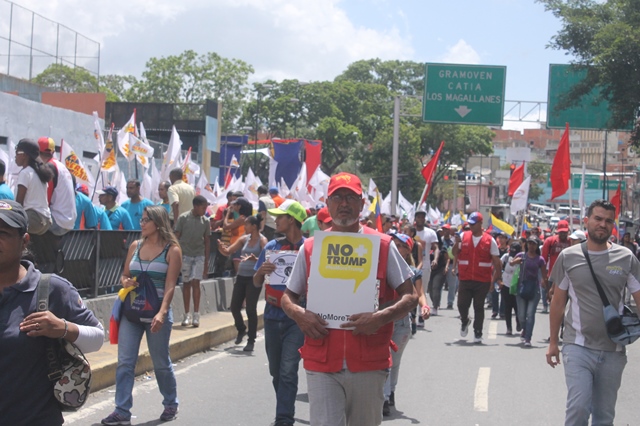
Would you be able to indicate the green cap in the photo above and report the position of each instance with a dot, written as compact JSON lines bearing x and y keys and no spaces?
{"x":292,"y":208}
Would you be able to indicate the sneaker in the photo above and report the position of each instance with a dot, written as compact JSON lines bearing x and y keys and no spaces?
{"x":392,"y":399}
{"x":115,"y":419}
{"x":186,"y":320}
{"x":494,"y":315}
{"x":509,"y":332}
{"x":414,"y":328}
{"x":248,"y":347}
{"x":527,"y":342}
{"x":464,"y":329}
{"x":241,"y":334}
{"x":477,"y":337}
{"x":420,"y":322}
{"x":449,"y":306}
{"x":196,"y":319}
{"x":434,"y":312}
{"x":544,"y":311}
{"x":169,"y":413}
{"x":386,"y":410}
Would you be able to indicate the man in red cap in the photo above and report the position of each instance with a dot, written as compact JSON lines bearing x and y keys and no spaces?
{"x":347,"y":367}
{"x":477,"y":253}
{"x":551,"y":249}
{"x":61,"y":193}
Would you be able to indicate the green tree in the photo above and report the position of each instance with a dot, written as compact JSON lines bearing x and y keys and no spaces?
{"x":67,"y":79}
{"x":604,"y":38}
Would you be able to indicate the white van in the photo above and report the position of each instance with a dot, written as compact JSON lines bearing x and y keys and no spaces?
{"x":563,"y":213}
{"x":542,"y":211}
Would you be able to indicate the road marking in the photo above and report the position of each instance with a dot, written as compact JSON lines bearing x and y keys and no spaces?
{"x":146,"y":387}
{"x":493,"y":329}
{"x":481,"y":395}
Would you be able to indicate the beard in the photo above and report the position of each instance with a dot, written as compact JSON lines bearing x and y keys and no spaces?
{"x":597,"y":239}
{"x":345,"y":222}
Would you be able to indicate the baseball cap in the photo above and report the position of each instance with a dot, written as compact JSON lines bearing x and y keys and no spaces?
{"x":46,"y":144}
{"x":29,"y":147}
{"x":563,"y":226}
{"x":292,"y":208}
{"x":422,"y":212}
{"x":273,"y":190}
{"x":404,"y":238}
{"x":474,"y":218}
{"x":323,"y":215}
{"x":319,"y":206}
{"x":13,"y":214}
{"x":345,"y":180}
{"x":446,"y":226}
{"x":83,"y":188}
{"x":578,"y":235}
{"x":109,"y":190}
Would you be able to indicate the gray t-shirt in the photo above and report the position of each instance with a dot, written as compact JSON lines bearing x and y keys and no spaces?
{"x":397,"y":271}
{"x":615,"y":268}
{"x":192,"y":231}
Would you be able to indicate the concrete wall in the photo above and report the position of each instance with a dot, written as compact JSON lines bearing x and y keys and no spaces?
{"x":21,"y":118}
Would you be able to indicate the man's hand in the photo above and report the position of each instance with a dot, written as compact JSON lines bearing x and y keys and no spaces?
{"x":364,"y":323}
{"x":266,"y":268}
{"x":553,"y":355}
{"x":312,"y":325}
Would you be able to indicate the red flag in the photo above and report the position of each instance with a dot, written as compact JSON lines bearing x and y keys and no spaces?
{"x":430,"y":169}
{"x":616,"y":199}
{"x":516,"y":179}
{"x":561,"y":169}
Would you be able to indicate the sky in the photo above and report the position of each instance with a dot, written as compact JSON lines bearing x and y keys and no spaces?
{"x":315,"y":40}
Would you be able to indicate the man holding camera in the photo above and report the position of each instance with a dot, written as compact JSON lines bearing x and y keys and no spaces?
{"x":593,"y":363}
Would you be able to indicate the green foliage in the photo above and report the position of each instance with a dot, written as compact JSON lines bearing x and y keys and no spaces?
{"x":67,"y":79}
{"x":604,"y":37}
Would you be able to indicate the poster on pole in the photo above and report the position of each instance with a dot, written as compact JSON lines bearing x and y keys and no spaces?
{"x":342,"y":276}
{"x":283,"y":261}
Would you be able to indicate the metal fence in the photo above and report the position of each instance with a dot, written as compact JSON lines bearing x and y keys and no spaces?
{"x":91,"y":260}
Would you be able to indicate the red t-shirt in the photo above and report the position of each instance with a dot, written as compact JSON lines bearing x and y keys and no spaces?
{"x":551,"y":249}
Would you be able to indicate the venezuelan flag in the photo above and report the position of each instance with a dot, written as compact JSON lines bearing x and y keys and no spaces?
{"x":527,"y":225}
{"x":496,"y":224}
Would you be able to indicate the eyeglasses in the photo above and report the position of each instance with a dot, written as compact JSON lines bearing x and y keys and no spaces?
{"x":351,"y":198}
{"x":145,"y":220}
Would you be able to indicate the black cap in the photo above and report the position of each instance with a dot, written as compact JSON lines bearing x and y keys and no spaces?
{"x":13,"y":214}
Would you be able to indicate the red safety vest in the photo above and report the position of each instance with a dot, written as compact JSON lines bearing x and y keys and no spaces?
{"x":474,"y":263}
{"x":362,"y":352}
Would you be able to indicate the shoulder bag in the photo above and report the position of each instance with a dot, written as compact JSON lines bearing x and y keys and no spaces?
{"x":527,"y":287}
{"x":624,"y":329}
{"x":68,"y":367}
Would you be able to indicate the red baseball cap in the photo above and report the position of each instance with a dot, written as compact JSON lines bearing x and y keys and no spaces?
{"x":345,"y":180}
{"x":46,"y":144}
{"x":323,"y":215}
{"x":563,"y":226}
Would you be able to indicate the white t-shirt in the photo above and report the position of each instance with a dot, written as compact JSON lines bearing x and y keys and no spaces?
{"x":397,"y":271}
{"x":63,"y":200}
{"x":428,"y":236}
{"x":36,"y":197}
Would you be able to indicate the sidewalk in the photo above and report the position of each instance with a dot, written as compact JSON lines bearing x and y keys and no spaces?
{"x":215,"y":328}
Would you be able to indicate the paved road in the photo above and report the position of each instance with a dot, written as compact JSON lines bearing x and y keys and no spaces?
{"x":443,"y":381}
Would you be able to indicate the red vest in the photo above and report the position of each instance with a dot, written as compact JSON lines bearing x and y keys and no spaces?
{"x":474,"y":263}
{"x":362,"y":352}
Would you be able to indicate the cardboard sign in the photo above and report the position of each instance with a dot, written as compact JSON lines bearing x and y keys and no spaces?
{"x":283,"y":260}
{"x":342,"y":276}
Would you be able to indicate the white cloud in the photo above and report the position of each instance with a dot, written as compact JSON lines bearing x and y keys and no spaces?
{"x":307,"y":40}
{"x":461,"y":53}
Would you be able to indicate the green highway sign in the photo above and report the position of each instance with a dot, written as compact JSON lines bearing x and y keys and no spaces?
{"x":589,"y":113}
{"x":464,"y":94}
{"x":592,"y":182}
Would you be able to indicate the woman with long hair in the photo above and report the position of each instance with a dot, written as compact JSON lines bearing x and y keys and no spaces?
{"x":31,"y":188}
{"x":159,"y":255}
{"x":250,"y":246}
{"x":510,"y":301}
{"x":531,"y":265}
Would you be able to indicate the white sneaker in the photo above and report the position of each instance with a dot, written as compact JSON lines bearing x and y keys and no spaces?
{"x":187,"y":320}
{"x":196,"y":319}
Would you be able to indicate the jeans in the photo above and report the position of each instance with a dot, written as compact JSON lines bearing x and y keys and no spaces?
{"x":527,"y":313}
{"x":593,"y":378}
{"x":401,"y":335}
{"x":472,"y":291}
{"x":282,"y":341}
{"x":452,"y":281}
{"x":435,"y":286}
{"x":497,"y":302}
{"x":244,"y":289}
{"x":510,"y":304}
{"x":129,"y":338}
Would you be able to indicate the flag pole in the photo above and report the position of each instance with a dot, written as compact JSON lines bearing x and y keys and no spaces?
{"x":423,"y":196}
{"x":571,"y":200}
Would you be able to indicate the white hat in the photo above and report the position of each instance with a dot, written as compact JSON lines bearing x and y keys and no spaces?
{"x":578,"y":235}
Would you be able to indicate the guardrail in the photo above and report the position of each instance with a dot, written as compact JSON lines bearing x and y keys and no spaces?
{"x":91,"y":260}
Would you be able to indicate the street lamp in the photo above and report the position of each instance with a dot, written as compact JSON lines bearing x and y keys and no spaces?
{"x":255,"y":145}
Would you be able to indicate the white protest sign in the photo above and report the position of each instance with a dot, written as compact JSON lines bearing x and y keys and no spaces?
{"x":342,"y":276}
{"x":283,"y":261}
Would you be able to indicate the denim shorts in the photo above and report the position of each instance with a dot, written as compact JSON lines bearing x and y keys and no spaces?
{"x":192,"y":268}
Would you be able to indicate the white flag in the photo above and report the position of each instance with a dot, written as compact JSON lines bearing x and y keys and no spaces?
{"x":251,"y":184}
{"x":75,"y":166}
{"x":521,"y":196}
{"x":202,"y":188}
{"x":171,"y":158}
{"x":371,"y":191}
{"x":124,"y":145}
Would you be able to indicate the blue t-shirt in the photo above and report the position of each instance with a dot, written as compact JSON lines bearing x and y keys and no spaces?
{"x":5,"y":192}
{"x":26,"y":396}
{"x":120,"y":217}
{"x":85,"y":208}
{"x":167,"y":207}
{"x":135,"y":210}
{"x":273,"y":312}
{"x":103,"y":219}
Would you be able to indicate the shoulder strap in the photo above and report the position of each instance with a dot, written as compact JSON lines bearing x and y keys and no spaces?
{"x":43,"y":293}
{"x":605,"y":300}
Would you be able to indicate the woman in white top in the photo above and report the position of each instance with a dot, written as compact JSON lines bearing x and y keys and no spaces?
{"x":31,"y":188}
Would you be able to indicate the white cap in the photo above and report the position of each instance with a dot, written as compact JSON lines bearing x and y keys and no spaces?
{"x":578,"y":235}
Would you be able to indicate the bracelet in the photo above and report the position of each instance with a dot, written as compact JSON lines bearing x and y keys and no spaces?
{"x":66,"y":328}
